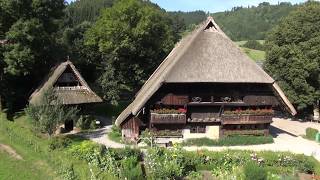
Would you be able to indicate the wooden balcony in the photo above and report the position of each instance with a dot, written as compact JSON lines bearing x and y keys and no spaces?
{"x":246,"y":119}
{"x":156,"y":118}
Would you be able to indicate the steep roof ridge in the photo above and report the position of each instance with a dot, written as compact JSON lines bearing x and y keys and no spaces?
{"x":53,"y":76}
{"x":158,"y":77}
{"x":162,"y":67}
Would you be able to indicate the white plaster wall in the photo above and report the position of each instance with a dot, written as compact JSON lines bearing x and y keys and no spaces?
{"x":212,"y":132}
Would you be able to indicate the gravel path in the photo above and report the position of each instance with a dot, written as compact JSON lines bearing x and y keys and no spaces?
{"x":287,"y":137}
{"x":100,"y":136}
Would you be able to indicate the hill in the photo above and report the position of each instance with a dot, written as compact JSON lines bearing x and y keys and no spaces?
{"x":240,"y":23}
{"x":252,"y":23}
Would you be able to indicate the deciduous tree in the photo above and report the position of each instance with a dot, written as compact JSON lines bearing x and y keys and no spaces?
{"x":134,"y":37}
{"x":293,"y":50}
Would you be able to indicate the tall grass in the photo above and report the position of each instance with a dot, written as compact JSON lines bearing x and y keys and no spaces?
{"x":34,"y":147}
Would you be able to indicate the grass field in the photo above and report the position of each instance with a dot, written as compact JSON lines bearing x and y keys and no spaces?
{"x":38,"y":161}
{"x":256,"y":55}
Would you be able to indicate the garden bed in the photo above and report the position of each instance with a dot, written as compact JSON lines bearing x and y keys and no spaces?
{"x":176,"y":163}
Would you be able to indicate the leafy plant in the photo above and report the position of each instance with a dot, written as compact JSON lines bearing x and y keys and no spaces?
{"x":86,"y":122}
{"x":49,"y":112}
{"x":67,"y":173}
{"x":254,"y":172}
{"x":115,"y":133}
{"x":148,"y":137}
{"x":311,"y":133}
{"x":59,"y":143}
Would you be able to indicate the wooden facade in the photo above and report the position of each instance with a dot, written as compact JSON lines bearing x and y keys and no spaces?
{"x":206,"y":105}
{"x":131,"y":128}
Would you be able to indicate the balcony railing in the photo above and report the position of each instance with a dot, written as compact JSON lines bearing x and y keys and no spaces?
{"x":246,"y":119}
{"x":168,"y":118}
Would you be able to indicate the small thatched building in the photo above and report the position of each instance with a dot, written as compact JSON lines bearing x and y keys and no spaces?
{"x":206,"y":87}
{"x":69,"y":86}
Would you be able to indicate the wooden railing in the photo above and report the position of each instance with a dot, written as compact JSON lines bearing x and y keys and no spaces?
{"x":156,"y":118}
{"x":246,"y":119}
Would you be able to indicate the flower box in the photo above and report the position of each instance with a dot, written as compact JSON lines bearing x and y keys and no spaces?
{"x":245,"y":119}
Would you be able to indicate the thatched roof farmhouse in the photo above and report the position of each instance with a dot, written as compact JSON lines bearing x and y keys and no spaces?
{"x":206,"y":60}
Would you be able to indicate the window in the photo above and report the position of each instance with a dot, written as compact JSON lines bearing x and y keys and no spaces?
{"x":198,"y":129}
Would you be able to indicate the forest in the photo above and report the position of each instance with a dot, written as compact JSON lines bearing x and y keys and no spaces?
{"x":115,"y":45}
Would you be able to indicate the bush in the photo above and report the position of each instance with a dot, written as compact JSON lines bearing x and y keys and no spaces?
{"x":130,"y":168}
{"x":311,"y":133}
{"x":120,"y":163}
{"x":59,"y":143}
{"x":49,"y":112}
{"x":86,"y":122}
{"x":115,"y":134}
{"x":253,"y":172}
{"x":229,"y":141}
{"x":253,"y":44}
{"x":166,"y":163}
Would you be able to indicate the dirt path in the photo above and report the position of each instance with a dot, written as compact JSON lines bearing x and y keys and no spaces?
{"x":101,"y":136}
{"x":10,"y":151}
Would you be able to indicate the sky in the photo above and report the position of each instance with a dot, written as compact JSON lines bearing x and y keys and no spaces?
{"x":211,"y":5}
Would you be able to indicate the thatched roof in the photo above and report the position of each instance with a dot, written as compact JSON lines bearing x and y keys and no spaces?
{"x":206,"y":55}
{"x":77,"y":95}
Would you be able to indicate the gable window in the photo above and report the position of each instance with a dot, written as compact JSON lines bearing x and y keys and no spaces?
{"x":198,"y":129}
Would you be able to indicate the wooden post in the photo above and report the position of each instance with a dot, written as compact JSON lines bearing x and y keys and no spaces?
{"x":316,"y":112}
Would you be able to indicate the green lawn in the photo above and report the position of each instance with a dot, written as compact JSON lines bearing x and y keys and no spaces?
{"x":12,"y":168}
{"x":256,"y":55}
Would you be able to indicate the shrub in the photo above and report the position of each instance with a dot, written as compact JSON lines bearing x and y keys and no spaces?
{"x":166,"y":163}
{"x":311,"y":133}
{"x":59,"y":143}
{"x":121,"y":163}
{"x":86,"y":122}
{"x":229,"y":141}
{"x":49,"y":112}
{"x":253,"y":172}
{"x":130,"y":168}
{"x":115,"y":134}
{"x":253,"y":44}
